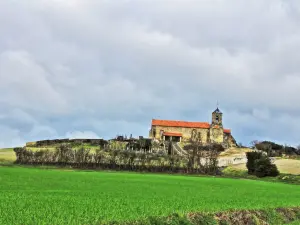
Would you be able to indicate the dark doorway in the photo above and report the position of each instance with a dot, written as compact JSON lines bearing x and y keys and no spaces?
{"x":167,"y":138}
{"x":172,"y":138}
{"x":176,"y":139}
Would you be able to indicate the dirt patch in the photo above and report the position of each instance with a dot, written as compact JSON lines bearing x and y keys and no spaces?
{"x":236,"y":217}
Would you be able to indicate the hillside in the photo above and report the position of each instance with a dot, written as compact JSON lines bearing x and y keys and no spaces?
{"x":234,"y":157}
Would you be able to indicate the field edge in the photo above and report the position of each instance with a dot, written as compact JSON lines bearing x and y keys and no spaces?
{"x":290,"y":215}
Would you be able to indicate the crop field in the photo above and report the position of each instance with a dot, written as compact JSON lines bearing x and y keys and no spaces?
{"x":52,"y":196}
{"x":289,"y":166}
{"x":7,"y":155}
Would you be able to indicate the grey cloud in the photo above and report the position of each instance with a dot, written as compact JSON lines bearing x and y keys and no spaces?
{"x":100,"y":68}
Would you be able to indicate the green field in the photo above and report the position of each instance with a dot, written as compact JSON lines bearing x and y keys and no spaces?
{"x":31,"y":196}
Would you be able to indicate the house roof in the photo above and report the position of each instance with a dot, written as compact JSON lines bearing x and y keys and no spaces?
{"x":228,"y":131}
{"x":176,"y":123}
{"x":172,"y":134}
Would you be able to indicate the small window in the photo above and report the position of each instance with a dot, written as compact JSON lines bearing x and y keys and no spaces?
{"x":154,"y":132}
{"x":217,"y":117}
{"x":161,"y":132}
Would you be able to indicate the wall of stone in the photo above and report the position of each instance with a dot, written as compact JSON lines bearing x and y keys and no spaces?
{"x":217,"y":135}
{"x":232,"y":141}
{"x":186,"y":132}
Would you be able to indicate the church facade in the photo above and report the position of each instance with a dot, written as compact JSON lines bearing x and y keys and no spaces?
{"x":183,"y":131}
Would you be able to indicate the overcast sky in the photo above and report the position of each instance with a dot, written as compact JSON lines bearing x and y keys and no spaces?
{"x":98,"y":68}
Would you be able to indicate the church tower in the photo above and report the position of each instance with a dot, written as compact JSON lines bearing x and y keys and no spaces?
{"x":216,"y":127}
{"x":217,"y":118}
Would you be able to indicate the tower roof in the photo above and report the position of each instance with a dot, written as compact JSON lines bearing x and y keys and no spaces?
{"x":217,"y":110}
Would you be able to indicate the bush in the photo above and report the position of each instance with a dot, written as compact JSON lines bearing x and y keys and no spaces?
{"x":233,"y":172}
{"x":264,"y":167}
{"x":252,"y":156}
{"x":260,"y":165}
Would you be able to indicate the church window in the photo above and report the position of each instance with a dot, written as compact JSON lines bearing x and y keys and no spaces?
{"x":154,"y":132}
{"x":161,"y":132}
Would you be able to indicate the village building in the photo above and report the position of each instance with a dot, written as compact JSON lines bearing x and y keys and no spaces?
{"x":183,"y":131}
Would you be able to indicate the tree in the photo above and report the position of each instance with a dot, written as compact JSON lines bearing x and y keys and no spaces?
{"x":253,"y":143}
{"x":264,"y":167}
{"x":260,"y":165}
{"x":251,"y":157}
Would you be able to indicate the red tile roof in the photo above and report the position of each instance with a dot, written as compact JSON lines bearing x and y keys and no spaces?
{"x":228,"y":131}
{"x":175,"y":123}
{"x":172,"y":134}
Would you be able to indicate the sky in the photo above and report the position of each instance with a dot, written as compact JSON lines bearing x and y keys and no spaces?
{"x":101,"y":68}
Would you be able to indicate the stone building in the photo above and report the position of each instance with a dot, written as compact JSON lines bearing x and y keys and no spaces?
{"x":183,"y":131}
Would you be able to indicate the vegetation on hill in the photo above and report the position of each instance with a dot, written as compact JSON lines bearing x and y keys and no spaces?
{"x":35,"y":196}
{"x":275,"y":150}
{"x":114,"y":159}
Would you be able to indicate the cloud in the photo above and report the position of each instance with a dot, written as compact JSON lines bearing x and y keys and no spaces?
{"x":24,"y":84}
{"x":103,"y":68}
{"x":10,"y":137}
{"x":84,"y":134}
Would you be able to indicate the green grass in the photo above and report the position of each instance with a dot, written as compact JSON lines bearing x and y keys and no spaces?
{"x":294,"y":223}
{"x":233,"y":172}
{"x":34,"y":196}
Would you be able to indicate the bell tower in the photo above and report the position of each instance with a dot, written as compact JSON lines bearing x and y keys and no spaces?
{"x":217,"y":118}
{"x":216,"y":127}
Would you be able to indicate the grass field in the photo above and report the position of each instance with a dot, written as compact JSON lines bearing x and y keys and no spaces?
{"x":55,"y":196}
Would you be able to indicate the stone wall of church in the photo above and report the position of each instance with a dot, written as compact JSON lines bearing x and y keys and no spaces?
{"x":231,"y":141}
{"x":214,"y":134}
{"x":217,"y":135}
{"x":185,"y":131}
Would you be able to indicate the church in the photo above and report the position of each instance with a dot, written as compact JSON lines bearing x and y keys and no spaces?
{"x":183,"y":131}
